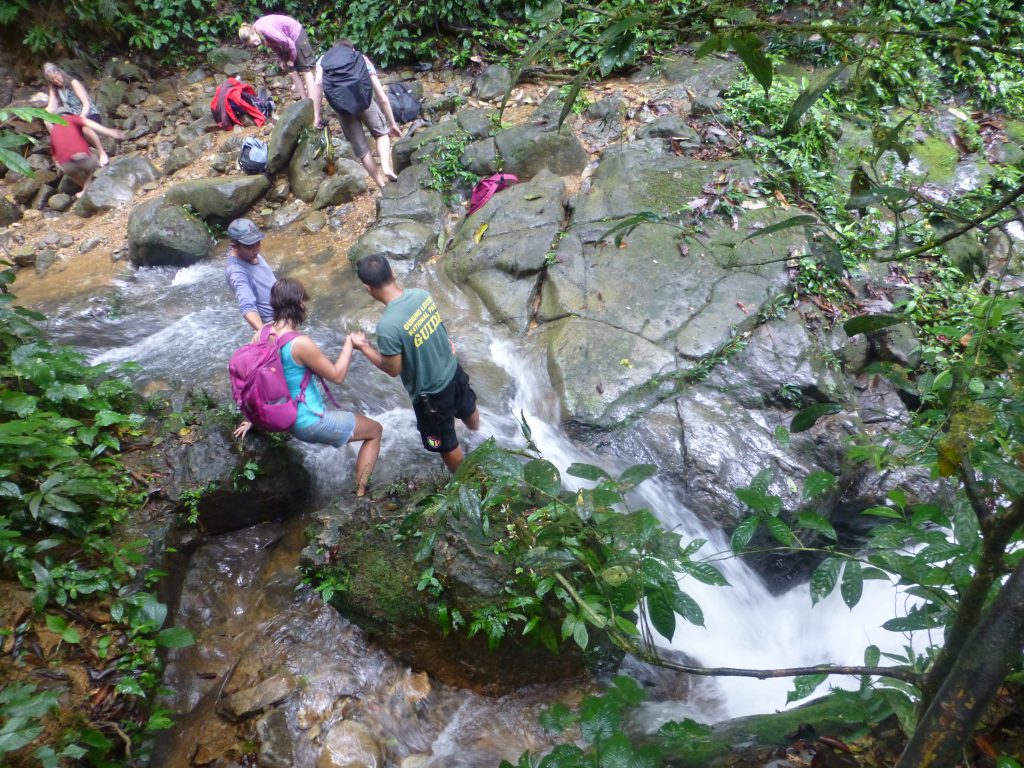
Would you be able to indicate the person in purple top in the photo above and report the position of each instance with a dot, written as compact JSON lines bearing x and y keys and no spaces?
{"x":290,"y":43}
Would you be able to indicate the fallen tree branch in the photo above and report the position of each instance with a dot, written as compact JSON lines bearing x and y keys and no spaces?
{"x":897,"y":673}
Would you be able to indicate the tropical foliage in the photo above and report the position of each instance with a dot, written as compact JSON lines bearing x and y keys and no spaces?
{"x":64,"y":494}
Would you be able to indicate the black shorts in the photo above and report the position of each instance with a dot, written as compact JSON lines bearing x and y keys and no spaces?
{"x":305,"y":58}
{"x":436,"y":414}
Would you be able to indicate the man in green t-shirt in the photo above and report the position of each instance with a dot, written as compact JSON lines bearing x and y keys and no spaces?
{"x":415,"y":345}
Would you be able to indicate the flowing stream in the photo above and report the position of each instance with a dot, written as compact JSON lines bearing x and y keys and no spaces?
{"x":183,"y":325}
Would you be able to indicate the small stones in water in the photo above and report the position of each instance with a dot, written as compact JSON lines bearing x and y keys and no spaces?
{"x":89,"y":244}
{"x":315,"y":222}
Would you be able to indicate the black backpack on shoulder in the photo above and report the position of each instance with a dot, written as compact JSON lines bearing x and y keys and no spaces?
{"x":404,"y":103}
{"x":347,"y":85}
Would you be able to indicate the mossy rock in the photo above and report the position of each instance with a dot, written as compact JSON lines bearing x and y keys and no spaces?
{"x":938,"y":159}
{"x":755,"y":740}
{"x":377,"y":577}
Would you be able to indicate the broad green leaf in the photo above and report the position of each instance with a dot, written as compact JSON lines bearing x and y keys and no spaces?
{"x":16,"y":162}
{"x":599,"y":719}
{"x":926,"y":617}
{"x":801,"y":220}
{"x":175,"y":637}
{"x":807,"y":417}
{"x":818,"y":484}
{"x":617,"y":752}
{"x":556,"y":718}
{"x":853,"y":583}
{"x":904,"y":708}
{"x":824,"y":578}
{"x":812,"y":521}
{"x":635,"y":475}
{"x":868,"y":323}
{"x":545,"y":13}
{"x":1007,"y":762}
{"x":625,"y":691}
{"x":19,"y":403}
{"x":580,"y":635}
{"x":805,"y":685}
{"x":627,"y":225}
{"x":55,"y":624}
{"x":872,"y":655}
{"x":705,"y":572}
{"x":564,"y":756}
{"x":587,"y":472}
{"x":9,"y":490}
{"x":16,"y":732}
{"x":888,"y":196}
{"x":807,"y":98}
{"x":688,"y":608}
{"x":570,"y":98}
{"x":544,"y":476}
{"x":749,"y":49}
{"x":660,"y":609}
{"x":780,"y":531}
{"x":714,"y":44}
{"x":744,"y":532}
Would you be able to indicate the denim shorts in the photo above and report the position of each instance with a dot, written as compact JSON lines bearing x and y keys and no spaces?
{"x":334,"y":428}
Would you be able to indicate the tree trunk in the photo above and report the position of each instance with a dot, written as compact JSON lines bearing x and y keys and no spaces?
{"x":980,"y":669}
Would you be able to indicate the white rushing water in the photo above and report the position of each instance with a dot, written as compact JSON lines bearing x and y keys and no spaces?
{"x":745,"y":625}
{"x":183,"y":325}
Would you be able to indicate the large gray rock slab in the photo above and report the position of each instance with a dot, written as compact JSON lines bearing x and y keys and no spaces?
{"x":115,"y":185}
{"x":285,"y":136}
{"x":345,"y":185}
{"x":166,"y":235}
{"x":190,"y":132}
{"x":477,"y":122}
{"x":307,"y":169}
{"x":492,"y":83}
{"x":219,"y":58}
{"x":109,"y":94}
{"x":527,"y":149}
{"x":410,"y":198}
{"x":9,"y":212}
{"x":692,"y":304}
{"x":398,"y":240}
{"x":219,"y":200}
{"x":693,"y":78}
{"x":784,"y":360}
{"x":512,"y":234}
{"x":255,"y":699}
{"x":602,"y":373}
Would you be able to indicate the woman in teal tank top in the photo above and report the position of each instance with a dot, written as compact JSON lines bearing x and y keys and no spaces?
{"x":315,"y":423}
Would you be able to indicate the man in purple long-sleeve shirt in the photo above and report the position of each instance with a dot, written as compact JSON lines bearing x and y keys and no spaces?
{"x":248,"y":273}
{"x":290,"y":43}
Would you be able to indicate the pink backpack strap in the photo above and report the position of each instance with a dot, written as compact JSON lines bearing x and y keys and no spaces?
{"x":281,"y":341}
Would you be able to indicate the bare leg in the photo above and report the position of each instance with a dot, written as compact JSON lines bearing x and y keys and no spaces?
{"x":312,"y":92}
{"x":452,"y":459}
{"x":369,"y":432}
{"x":473,"y":420}
{"x":297,"y":85}
{"x":384,"y":153}
{"x":93,"y":138}
{"x":373,"y":169}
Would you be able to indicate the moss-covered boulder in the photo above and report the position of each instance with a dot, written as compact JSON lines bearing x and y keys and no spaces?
{"x":408,"y":595}
{"x":219,"y":200}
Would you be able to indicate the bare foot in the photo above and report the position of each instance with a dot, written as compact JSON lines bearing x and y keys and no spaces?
{"x":104,"y":159}
{"x":391,"y":175}
{"x":80,"y":193}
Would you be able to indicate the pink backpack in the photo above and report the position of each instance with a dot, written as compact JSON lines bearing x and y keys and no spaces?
{"x":485,"y":189}
{"x":258,"y":384}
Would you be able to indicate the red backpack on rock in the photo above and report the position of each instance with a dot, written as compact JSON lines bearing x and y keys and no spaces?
{"x":486,"y":188}
{"x":229,"y":104}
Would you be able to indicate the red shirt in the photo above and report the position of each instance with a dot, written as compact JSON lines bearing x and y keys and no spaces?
{"x":66,"y":141}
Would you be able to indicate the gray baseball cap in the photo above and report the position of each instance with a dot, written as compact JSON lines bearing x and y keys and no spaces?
{"x":245,"y":232}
